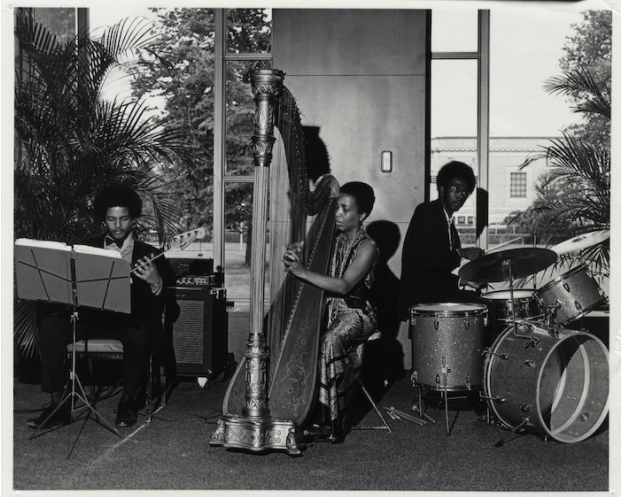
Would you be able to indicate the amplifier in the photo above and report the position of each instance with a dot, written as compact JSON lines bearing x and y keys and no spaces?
{"x":198,"y":329}
{"x":208,"y":281}
{"x":185,"y":267}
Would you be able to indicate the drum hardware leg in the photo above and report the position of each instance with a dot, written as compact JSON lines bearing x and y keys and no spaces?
{"x":418,"y":407}
{"x":502,"y":441}
{"x":423,"y":414}
{"x":532,"y":342}
{"x":489,"y":351}
{"x":448,"y":431}
{"x":496,"y":399}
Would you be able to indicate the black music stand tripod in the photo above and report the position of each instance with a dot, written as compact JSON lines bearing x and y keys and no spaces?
{"x":115,"y":283}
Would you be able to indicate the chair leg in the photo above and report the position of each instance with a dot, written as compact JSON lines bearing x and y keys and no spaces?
{"x":370,"y":399}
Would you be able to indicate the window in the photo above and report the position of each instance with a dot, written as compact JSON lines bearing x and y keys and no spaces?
{"x":243,"y":40}
{"x":518,"y":185}
{"x":457,"y":116}
{"x":471,"y":220}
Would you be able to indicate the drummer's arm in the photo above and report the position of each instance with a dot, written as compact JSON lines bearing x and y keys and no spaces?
{"x":470,"y":253}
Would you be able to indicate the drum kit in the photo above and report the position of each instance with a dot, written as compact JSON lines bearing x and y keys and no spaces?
{"x":538,"y":376}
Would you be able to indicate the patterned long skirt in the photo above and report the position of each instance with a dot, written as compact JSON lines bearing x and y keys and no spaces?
{"x":342,"y":351}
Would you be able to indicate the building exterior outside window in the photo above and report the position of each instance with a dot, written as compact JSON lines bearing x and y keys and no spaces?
{"x":510,"y":190}
{"x":518,"y":185}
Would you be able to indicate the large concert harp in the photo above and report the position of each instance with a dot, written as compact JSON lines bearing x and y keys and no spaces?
{"x":273,"y":390}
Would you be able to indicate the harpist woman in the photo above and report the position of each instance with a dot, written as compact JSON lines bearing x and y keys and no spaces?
{"x":350,"y":317}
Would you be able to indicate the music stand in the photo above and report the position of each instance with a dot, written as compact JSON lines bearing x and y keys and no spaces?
{"x":81,"y":277}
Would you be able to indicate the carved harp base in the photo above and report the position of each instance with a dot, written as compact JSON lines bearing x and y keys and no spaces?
{"x":234,"y":432}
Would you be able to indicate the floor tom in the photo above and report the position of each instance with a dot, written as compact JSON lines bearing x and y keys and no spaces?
{"x":447,"y":344}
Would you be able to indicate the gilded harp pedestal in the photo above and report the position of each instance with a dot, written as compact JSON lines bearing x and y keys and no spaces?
{"x":273,"y":389}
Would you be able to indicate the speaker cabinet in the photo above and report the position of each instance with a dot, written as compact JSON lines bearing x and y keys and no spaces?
{"x":197,"y":325}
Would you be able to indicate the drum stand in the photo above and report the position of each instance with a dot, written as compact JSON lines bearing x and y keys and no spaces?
{"x":441,"y":386}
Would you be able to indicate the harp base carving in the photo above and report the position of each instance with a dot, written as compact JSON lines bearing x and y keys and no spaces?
{"x":234,"y":432}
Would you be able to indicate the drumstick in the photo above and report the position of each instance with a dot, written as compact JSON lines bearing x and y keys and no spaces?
{"x":503,"y":244}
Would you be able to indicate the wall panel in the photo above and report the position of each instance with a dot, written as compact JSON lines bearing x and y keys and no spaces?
{"x":360,"y":77}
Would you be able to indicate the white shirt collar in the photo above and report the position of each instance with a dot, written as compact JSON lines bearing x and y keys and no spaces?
{"x":126,"y":248}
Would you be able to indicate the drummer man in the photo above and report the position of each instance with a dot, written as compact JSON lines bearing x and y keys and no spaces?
{"x":432,"y":249}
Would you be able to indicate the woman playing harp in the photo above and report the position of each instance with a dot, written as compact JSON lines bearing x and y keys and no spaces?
{"x":350,"y":317}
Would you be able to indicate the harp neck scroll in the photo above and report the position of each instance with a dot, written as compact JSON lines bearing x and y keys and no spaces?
{"x":267,"y":86}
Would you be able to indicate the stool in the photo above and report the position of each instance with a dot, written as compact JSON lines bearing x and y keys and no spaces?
{"x":108,"y":348}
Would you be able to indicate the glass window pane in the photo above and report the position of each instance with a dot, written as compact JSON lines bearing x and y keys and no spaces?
{"x":454,"y":128}
{"x":239,"y":117}
{"x":249,"y":31}
{"x":454,"y":30}
{"x":62,"y":22}
{"x":526,"y":47}
{"x":454,"y":98}
{"x":238,"y":229}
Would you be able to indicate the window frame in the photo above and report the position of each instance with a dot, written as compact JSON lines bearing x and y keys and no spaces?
{"x":222,"y":56}
{"x":482,"y":56}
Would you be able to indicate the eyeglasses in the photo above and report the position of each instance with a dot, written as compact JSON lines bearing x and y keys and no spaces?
{"x":460,"y":193}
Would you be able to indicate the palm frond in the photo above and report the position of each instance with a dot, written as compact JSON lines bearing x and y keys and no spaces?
{"x":71,"y":142}
{"x":580,"y":84}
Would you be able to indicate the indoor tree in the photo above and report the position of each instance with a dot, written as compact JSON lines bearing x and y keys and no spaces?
{"x":71,"y":141}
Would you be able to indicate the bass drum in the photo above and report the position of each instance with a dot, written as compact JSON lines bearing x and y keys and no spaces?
{"x":556,"y":386}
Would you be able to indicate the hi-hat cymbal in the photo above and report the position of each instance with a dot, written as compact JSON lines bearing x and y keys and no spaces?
{"x":581,"y":242}
{"x":496,"y":267}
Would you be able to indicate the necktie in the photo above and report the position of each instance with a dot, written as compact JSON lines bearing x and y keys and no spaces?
{"x":450,"y":234}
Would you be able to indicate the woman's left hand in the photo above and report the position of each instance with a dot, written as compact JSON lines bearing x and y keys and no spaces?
{"x":292,"y":264}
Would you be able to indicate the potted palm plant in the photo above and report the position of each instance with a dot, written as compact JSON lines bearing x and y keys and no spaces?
{"x":574,"y":195}
{"x":71,"y":141}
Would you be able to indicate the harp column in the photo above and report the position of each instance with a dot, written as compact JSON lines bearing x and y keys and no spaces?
{"x":267,"y":88}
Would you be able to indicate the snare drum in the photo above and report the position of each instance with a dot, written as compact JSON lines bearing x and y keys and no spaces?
{"x":524,"y":306}
{"x":572,"y":294}
{"x":447,"y":344}
{"x":556,"y":386}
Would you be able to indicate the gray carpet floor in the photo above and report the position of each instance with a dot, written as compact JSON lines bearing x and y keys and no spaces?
{"x":172,"y":452}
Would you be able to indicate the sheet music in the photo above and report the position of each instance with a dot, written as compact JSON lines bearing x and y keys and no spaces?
{"x":87,"y":249}
{"x":27,"y":242}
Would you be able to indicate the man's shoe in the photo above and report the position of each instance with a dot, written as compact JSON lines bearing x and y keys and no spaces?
{"x":126,"y":412}
{"x":60,"y":418}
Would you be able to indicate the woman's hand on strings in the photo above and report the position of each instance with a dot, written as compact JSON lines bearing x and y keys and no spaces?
{"x":291,"y":260}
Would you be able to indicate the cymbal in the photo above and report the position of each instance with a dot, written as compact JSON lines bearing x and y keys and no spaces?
{"x":495,"y":267}
{"x":581,"y":242}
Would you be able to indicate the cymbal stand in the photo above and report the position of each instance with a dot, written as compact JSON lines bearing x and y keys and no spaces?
{"x":73,"y":376}
{"x":534,"y":274}
{"x":513,"y":304}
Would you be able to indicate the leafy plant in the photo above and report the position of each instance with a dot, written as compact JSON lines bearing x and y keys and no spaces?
{"x":70,"y":141}
{"x":573,"y":196}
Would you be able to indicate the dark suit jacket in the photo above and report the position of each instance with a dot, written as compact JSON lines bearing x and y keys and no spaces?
{"x":427,"y":260}
{"x":146,"y":308}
